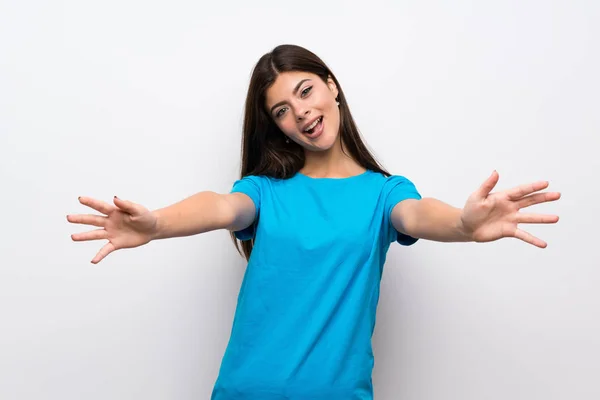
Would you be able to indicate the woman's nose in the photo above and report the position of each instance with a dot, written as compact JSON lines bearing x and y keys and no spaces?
{"x":301,"y":115}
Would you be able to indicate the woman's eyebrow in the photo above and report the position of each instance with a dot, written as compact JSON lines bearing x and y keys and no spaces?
{"x":295,"y":91}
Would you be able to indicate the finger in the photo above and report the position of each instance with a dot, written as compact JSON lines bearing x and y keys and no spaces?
{"x":529,"y":238}
{"x":536,"y":219}
{"x":526,"y":189}
{"x":489,"y":184}
{"x":126,"y":205}
{"x":87,"y":219}
{"x":537,"y":199}
{"x":96,"y":234}
{"x":104,"y":251}
{"x":97,"y":205}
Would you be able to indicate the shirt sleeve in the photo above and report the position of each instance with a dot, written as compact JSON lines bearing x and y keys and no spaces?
{"x":250,"y":186}
{"x":398,"y":188}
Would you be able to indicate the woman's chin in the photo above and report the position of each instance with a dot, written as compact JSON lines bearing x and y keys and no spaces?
{"x":322,"y":143}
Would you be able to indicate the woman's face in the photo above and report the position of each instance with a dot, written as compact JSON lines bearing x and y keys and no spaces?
{"x":296,"y":100}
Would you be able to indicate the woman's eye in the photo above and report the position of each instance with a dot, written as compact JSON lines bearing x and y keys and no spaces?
{"x":304,"y":93}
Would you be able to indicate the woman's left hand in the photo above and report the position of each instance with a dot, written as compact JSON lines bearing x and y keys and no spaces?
{"x":487,"y":217}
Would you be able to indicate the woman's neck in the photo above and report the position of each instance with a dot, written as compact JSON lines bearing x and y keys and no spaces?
{"x":332,"y":163}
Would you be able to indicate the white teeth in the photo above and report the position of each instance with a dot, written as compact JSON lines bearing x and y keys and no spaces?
{"x":313,"y":125}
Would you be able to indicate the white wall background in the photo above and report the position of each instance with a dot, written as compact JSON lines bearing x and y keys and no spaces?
{"x":144,"y":100}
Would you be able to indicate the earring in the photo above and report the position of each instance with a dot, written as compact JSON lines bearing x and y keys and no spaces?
{"x":287,"y":139}
{"x":337,"y":101}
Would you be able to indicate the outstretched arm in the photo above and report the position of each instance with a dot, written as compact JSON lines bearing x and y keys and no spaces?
{"x":485,"y":217}
{"x":203,"y":212}
{"x":127,"y":224}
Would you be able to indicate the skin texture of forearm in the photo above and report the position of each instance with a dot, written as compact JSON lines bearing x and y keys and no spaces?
{"x":433,"y":219}
{"x":199,"y":213}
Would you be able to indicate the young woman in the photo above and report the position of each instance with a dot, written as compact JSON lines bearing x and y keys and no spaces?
{"x":315,"y":215}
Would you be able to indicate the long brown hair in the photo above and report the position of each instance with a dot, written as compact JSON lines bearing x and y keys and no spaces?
{"x":264,"y":150}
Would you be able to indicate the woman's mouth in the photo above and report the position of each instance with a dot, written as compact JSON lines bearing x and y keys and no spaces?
{"x":316,"y":130}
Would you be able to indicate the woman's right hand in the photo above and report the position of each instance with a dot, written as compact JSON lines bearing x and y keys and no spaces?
{"x":124,"y":225}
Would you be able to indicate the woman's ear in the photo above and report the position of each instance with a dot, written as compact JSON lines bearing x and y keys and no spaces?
{"x":332,"y":86}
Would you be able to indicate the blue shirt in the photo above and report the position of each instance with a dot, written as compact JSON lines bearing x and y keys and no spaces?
{"x":306,"y":307}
